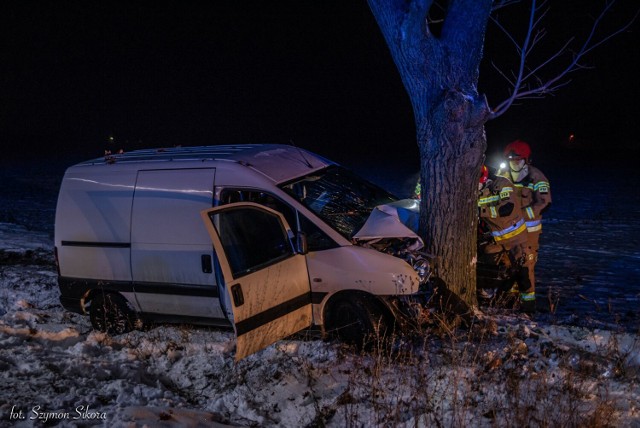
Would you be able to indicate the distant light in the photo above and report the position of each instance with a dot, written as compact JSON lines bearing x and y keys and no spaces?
{"x":572,"y":137}
{"x":503,"y":165}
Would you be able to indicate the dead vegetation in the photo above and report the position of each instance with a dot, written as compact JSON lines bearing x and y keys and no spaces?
{"x":495,"y":368}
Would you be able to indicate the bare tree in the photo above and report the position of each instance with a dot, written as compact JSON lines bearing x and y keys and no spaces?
{"x":437,"y":48}
{"x":549,"y":74}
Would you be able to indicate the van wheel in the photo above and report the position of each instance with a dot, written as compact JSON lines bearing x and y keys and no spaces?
{"x":112,"y":314}
{"x":357,"y":320}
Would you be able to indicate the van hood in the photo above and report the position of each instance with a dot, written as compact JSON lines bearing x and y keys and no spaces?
{"x":398,"y":220}
{"x":391,"y":228}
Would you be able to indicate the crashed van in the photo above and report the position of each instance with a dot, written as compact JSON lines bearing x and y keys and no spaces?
{"x":267,"y":239}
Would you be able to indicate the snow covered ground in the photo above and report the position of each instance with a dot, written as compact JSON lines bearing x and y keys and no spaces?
{"x":575,"y":364}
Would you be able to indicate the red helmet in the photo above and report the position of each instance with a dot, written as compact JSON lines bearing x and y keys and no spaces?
{"x":484,"y":176}
{"x":517,"y":150}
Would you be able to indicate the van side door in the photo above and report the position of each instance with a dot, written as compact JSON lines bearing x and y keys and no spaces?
{"x":172,"y":259}
{"x":265,"y":277}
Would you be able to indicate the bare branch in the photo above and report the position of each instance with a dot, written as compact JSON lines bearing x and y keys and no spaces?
{"x":507,"y":33}
{"x":549,"y":60}
{"x":499,"y":4}
{"x":615,"y":33}
{"x":543,"y":14}
{"x":539,"y":34}
{"x":502,"y":74}
{"x":529,"y":85}
{"x":536,"y":39}
{"x":523,"y":57}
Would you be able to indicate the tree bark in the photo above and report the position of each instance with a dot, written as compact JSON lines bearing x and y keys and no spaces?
{"x":440,"y":75}
{"x":452,"y":147}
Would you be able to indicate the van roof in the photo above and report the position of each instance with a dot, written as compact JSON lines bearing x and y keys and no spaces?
{"x":277,"y":161}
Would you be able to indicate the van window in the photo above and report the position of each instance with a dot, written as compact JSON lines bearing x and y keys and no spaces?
{"x":339,"y":197}
{"x":317,"y":240}
{"x":252,"y":239}
{"x":231,"y":195}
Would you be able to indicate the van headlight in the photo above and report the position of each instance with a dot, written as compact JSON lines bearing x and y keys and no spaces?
{"x":421,"y":264}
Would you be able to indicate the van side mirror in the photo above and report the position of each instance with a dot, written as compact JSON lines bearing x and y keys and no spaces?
{"x":301,"y":243}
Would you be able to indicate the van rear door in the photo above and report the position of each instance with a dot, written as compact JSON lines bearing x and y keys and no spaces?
{"x":267,"y":281}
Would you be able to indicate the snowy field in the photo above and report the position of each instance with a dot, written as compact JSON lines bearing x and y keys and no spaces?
{"x":577,"y":363}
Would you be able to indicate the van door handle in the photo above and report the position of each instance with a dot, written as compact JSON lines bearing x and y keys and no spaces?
{"x":238,"y":298}
{"x":207,"y":266}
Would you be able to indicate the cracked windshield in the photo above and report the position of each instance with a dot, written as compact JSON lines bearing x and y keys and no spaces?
{"x":339,"y":197}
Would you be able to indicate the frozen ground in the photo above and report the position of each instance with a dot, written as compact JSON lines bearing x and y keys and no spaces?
{"x":575,"y":364}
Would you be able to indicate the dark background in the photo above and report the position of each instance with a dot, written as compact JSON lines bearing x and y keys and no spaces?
{"x":80,"y":77}
{"x":75,"y":74}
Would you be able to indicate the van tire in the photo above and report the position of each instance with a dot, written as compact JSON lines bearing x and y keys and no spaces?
{"x":111,"y":313}
{"x":357,"y":320}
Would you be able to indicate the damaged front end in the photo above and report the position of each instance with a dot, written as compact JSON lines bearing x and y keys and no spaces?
{"x":391,"y":229}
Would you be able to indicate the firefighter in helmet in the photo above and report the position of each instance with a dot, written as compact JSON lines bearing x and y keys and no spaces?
{"x":535,"y":196}
{"x":500,"y":212}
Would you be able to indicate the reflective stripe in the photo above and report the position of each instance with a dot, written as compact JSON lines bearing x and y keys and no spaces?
{"x":488,"y":200}
{"x":505,"y":192}
{"x":494,"y":213}
{"x":540,"y":184}
{"x":530,"y":213}
{"x":534,"y":226}
{"x":527,"y":297}
{"x":509,"y":232}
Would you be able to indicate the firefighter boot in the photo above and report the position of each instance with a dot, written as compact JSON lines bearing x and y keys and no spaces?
{"x":528,"y":303}
{"x":527,"y":289}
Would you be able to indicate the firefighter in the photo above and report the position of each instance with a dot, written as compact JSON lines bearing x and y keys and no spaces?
{"x":500,"y":211}
{"x":417,"y":192}
{"x":535,"y":197}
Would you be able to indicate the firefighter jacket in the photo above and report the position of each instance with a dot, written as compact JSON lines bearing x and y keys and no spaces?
{"x":535,"y":194}
{"x":500,"y":209}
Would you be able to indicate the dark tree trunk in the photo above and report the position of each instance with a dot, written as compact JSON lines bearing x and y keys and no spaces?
{"x":441,"y":76}
{"x":451,"y":154}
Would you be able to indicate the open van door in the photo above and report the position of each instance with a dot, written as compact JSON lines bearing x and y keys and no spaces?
{"x":265,"y":277}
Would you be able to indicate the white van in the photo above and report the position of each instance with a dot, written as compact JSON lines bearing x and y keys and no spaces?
{"x":269,"y":239}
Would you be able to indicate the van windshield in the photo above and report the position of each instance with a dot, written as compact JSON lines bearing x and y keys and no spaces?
{"x":339,"y":197}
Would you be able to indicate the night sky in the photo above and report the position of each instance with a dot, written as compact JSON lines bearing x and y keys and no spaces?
{"x":149,"y":74}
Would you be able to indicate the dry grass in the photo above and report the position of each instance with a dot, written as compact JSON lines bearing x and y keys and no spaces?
{"x":483,"y":375}
{"x":501,"y":370}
